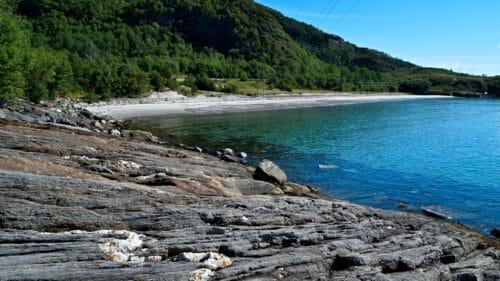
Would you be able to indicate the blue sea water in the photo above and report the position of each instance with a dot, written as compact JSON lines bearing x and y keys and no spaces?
{"x":439,"y":153}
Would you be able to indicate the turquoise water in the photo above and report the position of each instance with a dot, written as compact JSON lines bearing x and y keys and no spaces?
{"x":443,"y":153}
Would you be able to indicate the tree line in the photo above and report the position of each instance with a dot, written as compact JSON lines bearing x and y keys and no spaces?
{"x":115,"y":48}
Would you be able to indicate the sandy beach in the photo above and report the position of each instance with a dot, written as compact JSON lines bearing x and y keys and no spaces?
{"x":172,"y":103}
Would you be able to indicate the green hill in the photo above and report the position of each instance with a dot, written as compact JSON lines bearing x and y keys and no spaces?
{"x":102,"y":49}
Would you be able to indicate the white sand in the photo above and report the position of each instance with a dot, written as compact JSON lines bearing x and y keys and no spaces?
{"x":171,"y":103}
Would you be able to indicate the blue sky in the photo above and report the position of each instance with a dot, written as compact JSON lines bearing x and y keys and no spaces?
{"x":463,"y":35}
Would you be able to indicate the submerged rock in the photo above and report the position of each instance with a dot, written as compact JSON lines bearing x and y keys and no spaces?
{"x":402,"y":205}
{"x":270,"y":172}
{"x":331,"y":166}
{"x":435,"y":214}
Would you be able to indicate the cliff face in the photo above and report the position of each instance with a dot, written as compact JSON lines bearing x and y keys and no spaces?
{"x":82,"y":202}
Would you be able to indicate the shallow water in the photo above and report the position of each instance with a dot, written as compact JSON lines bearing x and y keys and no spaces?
{"x":441,"y":153}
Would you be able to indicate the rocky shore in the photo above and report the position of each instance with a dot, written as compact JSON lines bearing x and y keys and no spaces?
{"x":84,"y":198}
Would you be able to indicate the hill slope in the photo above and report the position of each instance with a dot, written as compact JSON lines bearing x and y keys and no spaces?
{"x":112,"y":48}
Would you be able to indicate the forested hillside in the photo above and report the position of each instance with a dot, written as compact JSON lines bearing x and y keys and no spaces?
{"x":102,"y":49}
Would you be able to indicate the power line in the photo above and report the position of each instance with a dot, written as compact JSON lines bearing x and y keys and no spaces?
{"x":384,"y":82}
{"x":322,"y":9}
{"x":343,"y":15}
{"x":300,"y":7}
{"x":329,"y":12}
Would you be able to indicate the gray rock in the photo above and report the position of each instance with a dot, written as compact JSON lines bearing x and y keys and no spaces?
{"x":16,"y":116}
{"x":496,"y":232}
{"x":87,"y":113}
{"x":231,"y":158}
{"x":155,"y":139}
{"x":228,"y":151}
{"x":99,"y":169}
{"x":243,"y":155}
{"x":115,"y":133}
{"x":156,"y":179}
{"x":270,"y":172}
{"x":98,"y":125}
{"x":140,"y":136}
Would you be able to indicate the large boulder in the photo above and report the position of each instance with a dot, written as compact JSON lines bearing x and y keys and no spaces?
{"x":270,"y":172}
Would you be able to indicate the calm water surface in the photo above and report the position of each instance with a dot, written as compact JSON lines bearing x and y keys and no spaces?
{"x":443,"y":154}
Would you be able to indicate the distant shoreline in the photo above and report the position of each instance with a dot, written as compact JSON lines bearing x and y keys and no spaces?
{"x":171,"y":103}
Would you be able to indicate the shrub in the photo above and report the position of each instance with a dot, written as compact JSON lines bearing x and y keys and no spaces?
{"x":133,"y":81}
{"x":230,"y":88}
{"x":243,"y":77}
{"x":415,"y":86}
{"x":494,"y":86}
{"x":205,"y":83}
{"x":172,"y":84}
{"x":284,"y":86}
{"x":157,"y":80}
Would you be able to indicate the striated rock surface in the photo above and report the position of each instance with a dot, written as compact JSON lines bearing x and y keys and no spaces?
{"x":85,"y":205}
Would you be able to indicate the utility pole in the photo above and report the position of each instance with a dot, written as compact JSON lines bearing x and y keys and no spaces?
{"x":258,"y":80}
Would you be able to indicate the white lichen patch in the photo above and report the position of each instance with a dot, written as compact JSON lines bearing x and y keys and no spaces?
{"x":208,"y":260}
{"x":151,"y":178}
{"x":84,"y":159}
{"x":118,"y":249}
{"x":121,"y":250}
{"x":128,"y":165}
{"x":147,"y":259}
{"x":202,"y":274}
